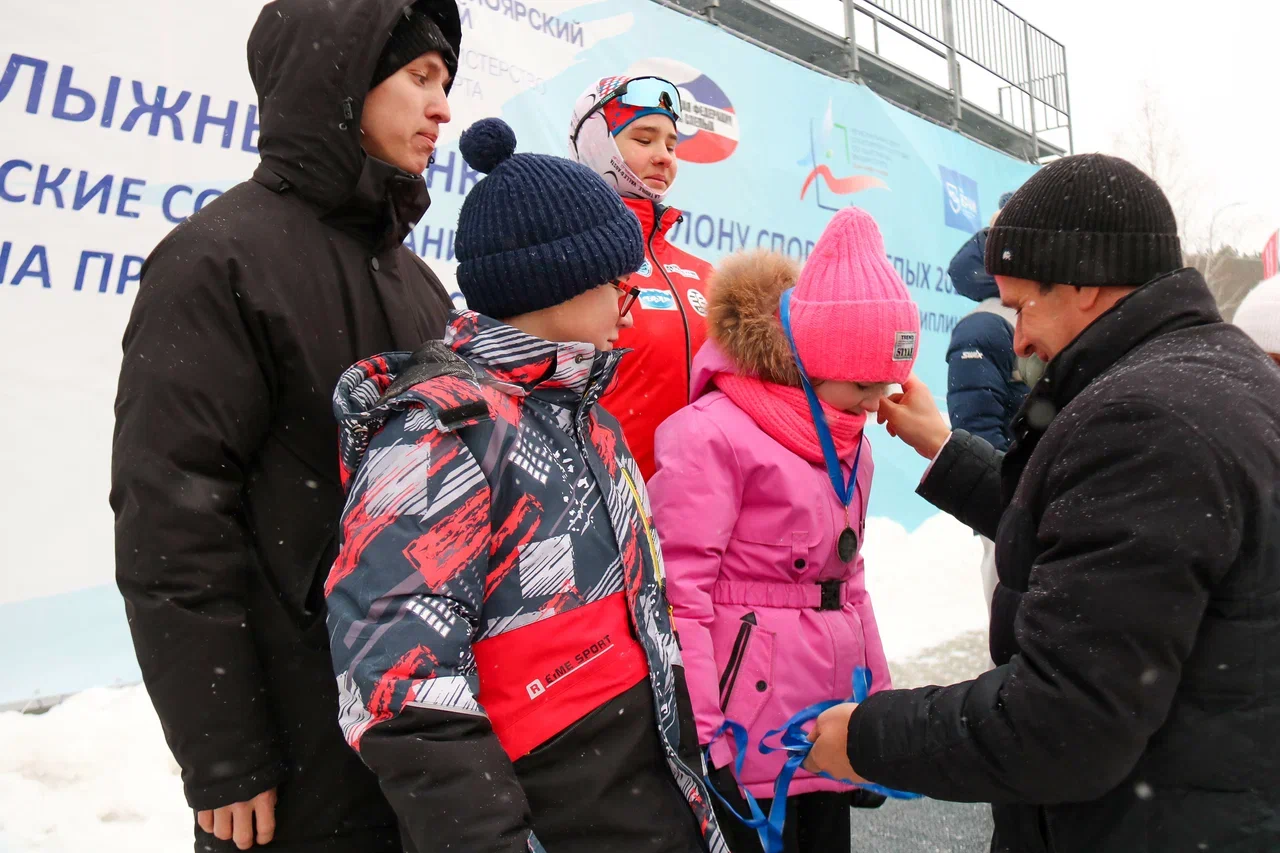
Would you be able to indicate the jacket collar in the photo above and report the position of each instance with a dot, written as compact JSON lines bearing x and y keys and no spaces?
{"x":381,"y":210}
{"x":651,"y":212}
{"x":1177,"y":300}
{"x":524,"y":365}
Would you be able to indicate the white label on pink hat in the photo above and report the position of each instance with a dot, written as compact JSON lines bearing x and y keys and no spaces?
{"x":904,"y":346}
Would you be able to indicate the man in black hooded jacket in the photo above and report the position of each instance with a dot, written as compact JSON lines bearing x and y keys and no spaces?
{"x":224,"y":468}
{"x":1135,"y":705}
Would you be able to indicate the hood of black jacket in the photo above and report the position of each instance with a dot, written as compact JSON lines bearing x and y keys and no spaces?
{"x":311,"y":62}
{"x":969,"y":276}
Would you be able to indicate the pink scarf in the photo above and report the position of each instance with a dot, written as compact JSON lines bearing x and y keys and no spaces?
{"x":783,"y":413}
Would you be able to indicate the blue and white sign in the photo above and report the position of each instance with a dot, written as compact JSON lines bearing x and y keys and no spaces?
{"x":960,"y":201}
{"x":116,"y":127}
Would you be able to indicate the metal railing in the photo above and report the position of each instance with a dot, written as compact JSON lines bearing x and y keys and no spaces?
{"x":997,"y":39}
{"x":972,"y":65}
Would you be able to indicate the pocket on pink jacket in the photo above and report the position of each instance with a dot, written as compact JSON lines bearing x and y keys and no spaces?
{"x":747,"y":681}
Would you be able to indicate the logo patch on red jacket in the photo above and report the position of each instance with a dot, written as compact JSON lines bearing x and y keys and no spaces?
{"x":681,"y":271}
{"x":590,"y":654}
{"x":698,"y":301}
{"x":657,"y":300}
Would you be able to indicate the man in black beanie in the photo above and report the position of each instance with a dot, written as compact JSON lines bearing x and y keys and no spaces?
{"x":224,"y":477}
{"x":1136,"y":626}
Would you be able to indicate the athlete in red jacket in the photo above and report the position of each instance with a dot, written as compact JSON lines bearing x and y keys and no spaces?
{"x":624,"y":129}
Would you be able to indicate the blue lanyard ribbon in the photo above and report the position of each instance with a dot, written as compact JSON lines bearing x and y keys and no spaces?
{"x":793,"y":739}
{"x":844,"y":490}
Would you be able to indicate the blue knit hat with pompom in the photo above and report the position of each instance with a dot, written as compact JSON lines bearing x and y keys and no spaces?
{"x":539,"y":230}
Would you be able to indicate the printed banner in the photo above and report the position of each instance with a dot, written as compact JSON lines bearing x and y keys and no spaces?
{"x":115,"y":128}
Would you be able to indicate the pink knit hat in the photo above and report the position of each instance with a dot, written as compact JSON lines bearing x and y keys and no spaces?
{"x":851,"y":315}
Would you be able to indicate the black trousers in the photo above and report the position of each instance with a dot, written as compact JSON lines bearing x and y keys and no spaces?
{"x":816,"y":823}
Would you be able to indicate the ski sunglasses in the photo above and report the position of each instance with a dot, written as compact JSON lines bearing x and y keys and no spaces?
{"x":643,"y":92}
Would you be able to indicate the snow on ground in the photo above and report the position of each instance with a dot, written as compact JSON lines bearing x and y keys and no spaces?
{"x":91,"y":774}
{"x":94,"y":772}
{"x":926,"y":586}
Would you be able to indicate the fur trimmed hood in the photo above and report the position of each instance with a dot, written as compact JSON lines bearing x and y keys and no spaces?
{"x":742,"y":314}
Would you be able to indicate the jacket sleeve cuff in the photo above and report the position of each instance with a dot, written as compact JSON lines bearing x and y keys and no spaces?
{"x":867,"y":759}
{"x":236,"y":790}
{"x":938,"y":479}
{"x":964,"y":481}
{"x":929,"y":467}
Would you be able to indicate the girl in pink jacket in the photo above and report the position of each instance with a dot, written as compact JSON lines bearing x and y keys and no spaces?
{"x":761,"y":537}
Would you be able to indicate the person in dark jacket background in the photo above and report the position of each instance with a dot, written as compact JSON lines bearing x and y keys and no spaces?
{"x":985,"y":377}
{"x":984,"y":385}
{"x":223,"y":478}
{"x":1136,"y":626}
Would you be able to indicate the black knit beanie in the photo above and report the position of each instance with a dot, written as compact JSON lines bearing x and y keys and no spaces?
{"x":1088,"y":219}
{"x":415,"y":33}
